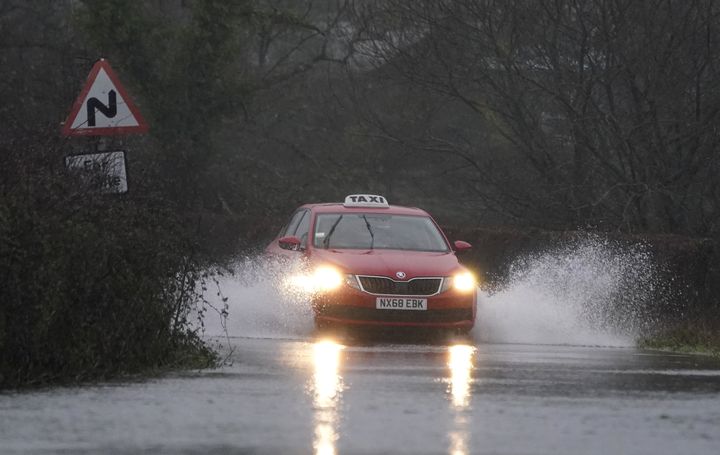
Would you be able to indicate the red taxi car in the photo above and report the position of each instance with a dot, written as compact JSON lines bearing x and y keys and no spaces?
{"x":371,"y":263}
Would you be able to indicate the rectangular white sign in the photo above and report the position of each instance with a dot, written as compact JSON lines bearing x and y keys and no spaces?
{"x":400,"y":303}
{"x":103,"y":172}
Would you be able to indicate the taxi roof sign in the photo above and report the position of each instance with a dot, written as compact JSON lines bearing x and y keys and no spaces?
{"x":365,"y":200}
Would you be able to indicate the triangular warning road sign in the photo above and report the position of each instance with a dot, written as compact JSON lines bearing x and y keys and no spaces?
{"x":103,"y":107}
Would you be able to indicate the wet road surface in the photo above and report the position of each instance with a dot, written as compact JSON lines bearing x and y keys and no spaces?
{"x":314,"y":396}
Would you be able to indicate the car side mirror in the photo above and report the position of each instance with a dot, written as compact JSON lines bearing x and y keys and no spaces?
{"x":289,"y":243}
{"x":461,"y":246}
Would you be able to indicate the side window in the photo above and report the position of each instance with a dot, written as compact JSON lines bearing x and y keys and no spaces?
{"x":293,"y":223}
{"x":302,"y":229}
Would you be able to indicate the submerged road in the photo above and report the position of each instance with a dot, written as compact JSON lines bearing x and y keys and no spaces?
{"x":314,"y":396}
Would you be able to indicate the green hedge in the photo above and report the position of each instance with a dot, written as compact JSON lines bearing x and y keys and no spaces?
{"x":92,"y":285}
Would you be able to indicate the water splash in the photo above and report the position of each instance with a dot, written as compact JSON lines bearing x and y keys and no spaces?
{"x":258,"y":305}
{"x":592,"y":291}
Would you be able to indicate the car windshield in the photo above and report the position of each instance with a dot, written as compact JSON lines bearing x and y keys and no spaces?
{"x":377,"y":231}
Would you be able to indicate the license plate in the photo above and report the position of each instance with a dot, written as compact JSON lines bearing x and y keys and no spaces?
{"x":400,"y":303}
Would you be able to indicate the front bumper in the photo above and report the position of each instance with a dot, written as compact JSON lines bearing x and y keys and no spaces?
{"x":347,"y":306}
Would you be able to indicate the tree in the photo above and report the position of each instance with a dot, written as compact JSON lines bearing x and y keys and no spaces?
{"x":200,"y":66}
{"x":604,"y":110}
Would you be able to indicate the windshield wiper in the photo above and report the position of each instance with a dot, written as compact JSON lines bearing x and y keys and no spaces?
{"x":326,"y":241}
{"x":372,"y":234}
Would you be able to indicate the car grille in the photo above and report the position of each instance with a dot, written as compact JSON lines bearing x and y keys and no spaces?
{"x":386,"y":286}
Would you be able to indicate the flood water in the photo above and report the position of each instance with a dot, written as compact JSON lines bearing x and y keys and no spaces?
{"x":550,"y":368}
{"x":320,"y":396}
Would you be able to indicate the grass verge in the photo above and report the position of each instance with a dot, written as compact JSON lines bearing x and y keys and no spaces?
{"x":690,"y":336}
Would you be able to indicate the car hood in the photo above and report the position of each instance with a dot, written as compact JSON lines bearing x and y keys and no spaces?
{"x":389,"y":262}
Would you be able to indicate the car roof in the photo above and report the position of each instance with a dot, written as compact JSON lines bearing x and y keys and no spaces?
{"x":338,"y":207}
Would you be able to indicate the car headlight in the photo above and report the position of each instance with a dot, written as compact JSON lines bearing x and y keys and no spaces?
{"x":463,"y":282}
{"x":327,"y":278}
{"x":323,"y":278}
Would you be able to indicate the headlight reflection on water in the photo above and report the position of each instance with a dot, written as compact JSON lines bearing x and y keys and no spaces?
{"x":327,"y":388}
{"x":460,"y":363}
{"x":458,"y":443}
{"x":327,"y":381}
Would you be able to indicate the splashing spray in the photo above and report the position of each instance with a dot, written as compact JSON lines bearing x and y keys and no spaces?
{"x":593,"y":291}
{"x":259,"y":302}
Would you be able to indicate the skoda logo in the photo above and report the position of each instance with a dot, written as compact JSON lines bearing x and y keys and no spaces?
{"x":401,"y":275}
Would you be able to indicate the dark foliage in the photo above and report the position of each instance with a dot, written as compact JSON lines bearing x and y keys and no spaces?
{"x":92,"y":284}
{"x":558,"y":113}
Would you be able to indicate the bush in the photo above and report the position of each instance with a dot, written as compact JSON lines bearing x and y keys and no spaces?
{"x":93,"y":285}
